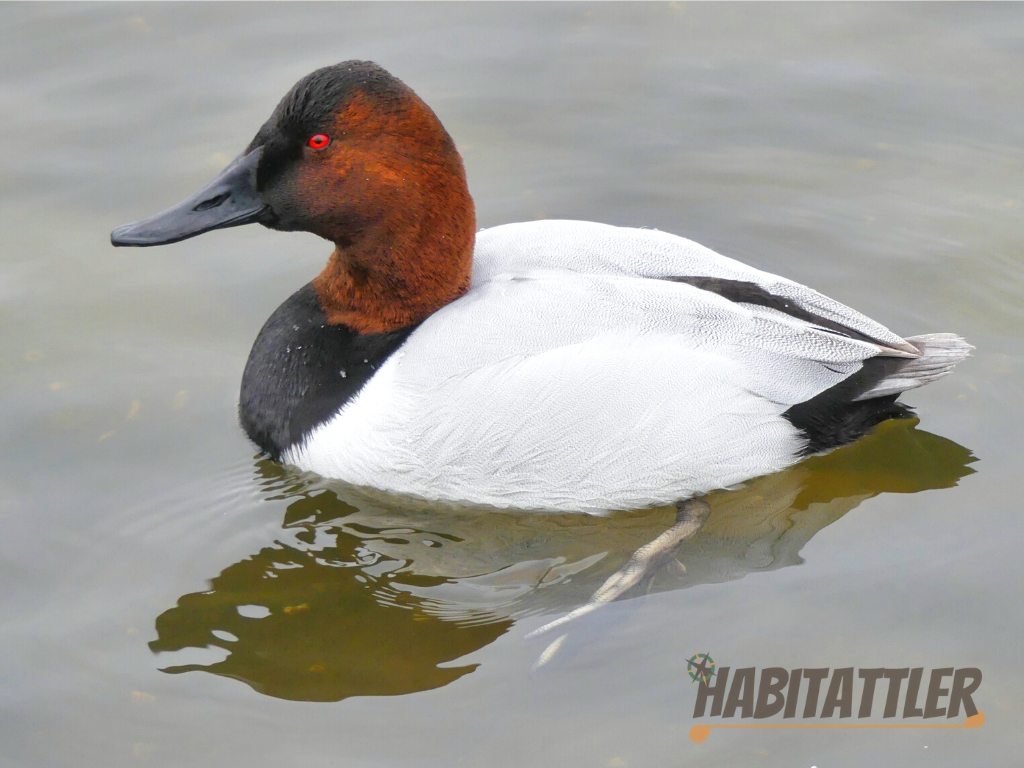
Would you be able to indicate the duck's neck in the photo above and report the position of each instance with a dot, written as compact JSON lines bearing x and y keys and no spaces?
{"x":413,"y":260}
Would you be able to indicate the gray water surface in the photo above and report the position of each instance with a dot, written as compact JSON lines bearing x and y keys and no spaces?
{"x":172,"y":599}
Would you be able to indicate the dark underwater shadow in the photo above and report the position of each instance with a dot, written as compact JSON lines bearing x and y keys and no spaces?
{"x":368,"y":595}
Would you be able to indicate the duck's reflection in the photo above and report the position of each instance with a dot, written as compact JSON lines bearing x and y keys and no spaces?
{"x":364,"y":596}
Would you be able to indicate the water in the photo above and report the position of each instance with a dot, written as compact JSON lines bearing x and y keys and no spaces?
{"x":173,"y":600}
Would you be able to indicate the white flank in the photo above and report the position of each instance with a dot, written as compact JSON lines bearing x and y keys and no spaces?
{"x":568,"y":379}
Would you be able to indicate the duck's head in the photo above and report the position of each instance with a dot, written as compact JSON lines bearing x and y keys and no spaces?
{"x":354,"y":155}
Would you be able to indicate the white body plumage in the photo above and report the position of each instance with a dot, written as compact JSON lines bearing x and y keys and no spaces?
{"x":574,"y":376}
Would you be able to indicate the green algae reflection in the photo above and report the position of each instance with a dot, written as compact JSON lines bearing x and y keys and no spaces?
{"x":366,"y":595}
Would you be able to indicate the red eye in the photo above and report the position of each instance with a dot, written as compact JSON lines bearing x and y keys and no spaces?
{"x":318,"y":141}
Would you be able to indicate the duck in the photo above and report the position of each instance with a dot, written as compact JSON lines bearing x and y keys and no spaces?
{"x":552,"y":365}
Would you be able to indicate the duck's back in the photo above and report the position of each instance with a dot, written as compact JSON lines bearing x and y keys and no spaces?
{"x":602,"y":249}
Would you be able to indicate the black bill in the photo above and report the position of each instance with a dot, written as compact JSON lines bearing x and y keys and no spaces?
{"x":229,"y":200}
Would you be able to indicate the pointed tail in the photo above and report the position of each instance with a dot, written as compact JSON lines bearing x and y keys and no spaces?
{"x":940,"y":352}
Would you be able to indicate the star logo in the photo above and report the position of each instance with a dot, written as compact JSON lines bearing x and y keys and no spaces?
{"x":701,"y":667}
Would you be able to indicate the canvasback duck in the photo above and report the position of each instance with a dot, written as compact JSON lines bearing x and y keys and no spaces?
{"x":556,"y":365}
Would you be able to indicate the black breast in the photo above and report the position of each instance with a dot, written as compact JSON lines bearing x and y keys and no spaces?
{"x":301,"y":371}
